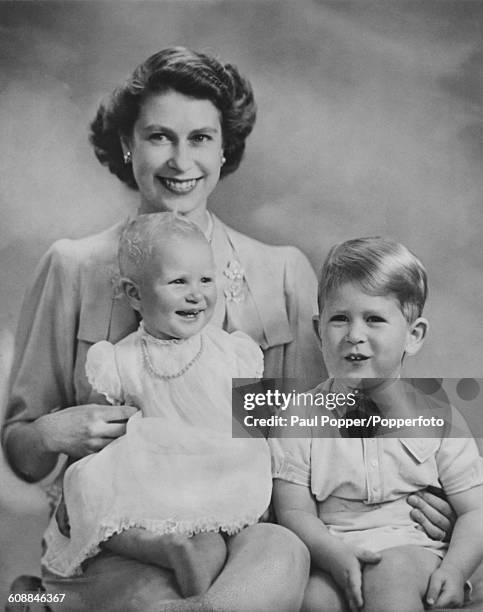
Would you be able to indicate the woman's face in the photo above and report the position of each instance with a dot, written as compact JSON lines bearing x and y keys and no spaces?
{"x":176,"y":151}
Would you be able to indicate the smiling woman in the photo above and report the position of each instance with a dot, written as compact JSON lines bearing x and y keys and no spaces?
{"x":176,"y":127}
{"x":176,"y":154}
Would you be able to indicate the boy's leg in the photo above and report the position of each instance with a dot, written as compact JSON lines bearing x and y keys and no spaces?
{"x":196,"y":561}
{"x":322,"y":594}
{"x":400,"y":580}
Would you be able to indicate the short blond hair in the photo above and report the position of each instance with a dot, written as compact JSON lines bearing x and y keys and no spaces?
{"x":145,"y":233}
{"x":380,"y":266}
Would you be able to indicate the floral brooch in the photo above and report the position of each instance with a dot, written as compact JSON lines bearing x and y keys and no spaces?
{"x":235,"y":289}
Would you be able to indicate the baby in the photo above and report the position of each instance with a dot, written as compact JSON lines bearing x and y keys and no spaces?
{"x":345,"y":497}
{"x":177,"y":472}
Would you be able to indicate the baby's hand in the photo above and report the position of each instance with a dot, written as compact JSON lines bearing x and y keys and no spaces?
{"x":347,"y":573}
{"x":446,"y":588}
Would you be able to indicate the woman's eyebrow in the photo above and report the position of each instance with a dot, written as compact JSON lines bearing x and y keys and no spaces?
{"x":208,"y":128}
{"x":156,"y":126}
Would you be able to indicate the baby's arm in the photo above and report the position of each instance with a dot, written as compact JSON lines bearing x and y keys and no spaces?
{"x":296,"y":509}
{"x":465,"y":550}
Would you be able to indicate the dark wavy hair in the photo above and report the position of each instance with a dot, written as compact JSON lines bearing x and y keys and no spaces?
{"x":190,"y":73}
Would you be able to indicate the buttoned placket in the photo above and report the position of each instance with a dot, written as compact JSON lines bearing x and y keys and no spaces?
{"x":372,"y":451}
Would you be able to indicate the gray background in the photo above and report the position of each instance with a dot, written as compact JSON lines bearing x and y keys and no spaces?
{"x":370,"y":122}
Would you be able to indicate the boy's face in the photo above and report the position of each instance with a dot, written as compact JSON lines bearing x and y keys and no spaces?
{"x":178,"y":291}
{"x":366,"y":336}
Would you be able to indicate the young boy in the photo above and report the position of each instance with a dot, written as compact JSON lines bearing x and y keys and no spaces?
{"x":345,"y":497}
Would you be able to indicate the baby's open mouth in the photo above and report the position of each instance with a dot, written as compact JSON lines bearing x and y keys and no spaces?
{"x":189,"y":314}
{"x":178,"y":186}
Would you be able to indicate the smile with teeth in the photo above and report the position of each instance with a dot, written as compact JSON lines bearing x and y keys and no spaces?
{"x":356,"y":357}
{"x":177,"y":185}
{"x":189,"y":314}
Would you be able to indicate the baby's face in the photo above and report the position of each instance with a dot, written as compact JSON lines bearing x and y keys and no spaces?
{"x":178,"y":291}
{"x":363,"y":336}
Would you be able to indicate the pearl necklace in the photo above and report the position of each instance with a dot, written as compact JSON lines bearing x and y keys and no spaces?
{"x":148,"y":364}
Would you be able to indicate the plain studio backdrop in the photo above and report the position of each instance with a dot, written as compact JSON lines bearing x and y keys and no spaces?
{"x":369,"y":123}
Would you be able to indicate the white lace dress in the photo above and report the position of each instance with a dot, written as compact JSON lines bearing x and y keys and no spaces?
{"x":178,"y":469}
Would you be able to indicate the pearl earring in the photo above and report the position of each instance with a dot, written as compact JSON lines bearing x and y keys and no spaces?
{"x":223,"y":160}
{"x":127,"y":157}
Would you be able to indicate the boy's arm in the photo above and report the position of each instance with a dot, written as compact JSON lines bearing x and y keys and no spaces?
{"x":296,"y":509}
{"x":465,"y":550}
{"x":466,"y":547}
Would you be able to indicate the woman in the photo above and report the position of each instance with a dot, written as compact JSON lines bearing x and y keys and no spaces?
{"x":176,"y":127}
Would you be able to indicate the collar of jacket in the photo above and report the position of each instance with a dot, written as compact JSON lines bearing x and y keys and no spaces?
{"x":106,"y":314}
{"x":264,"y":273}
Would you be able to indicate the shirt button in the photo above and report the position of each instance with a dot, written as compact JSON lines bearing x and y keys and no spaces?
{"x":374,"y":463}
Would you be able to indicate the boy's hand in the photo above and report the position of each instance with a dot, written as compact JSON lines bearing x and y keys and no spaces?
{"x":347,"y":573}
{"x":446,"y":588}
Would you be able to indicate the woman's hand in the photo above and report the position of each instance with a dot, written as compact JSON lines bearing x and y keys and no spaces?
{"x":434,"y":514}
{"x":346,"y":570}
{"x":82,"y":430}
{"x":33,"y":448}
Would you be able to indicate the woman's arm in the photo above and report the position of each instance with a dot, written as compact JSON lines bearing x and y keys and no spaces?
{"x":295,"y":508}
{"x":33,"y":448}
{"x":302,"y":357}
{"x":42,"y":377}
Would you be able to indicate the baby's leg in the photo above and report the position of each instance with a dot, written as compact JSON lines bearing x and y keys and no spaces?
{"x":62,"y":517}
{"x":399,"y":581}
{"x":196,"y":561}
{"x":322,"y":594}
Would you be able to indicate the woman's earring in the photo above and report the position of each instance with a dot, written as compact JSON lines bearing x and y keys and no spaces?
{"x":127,"y":157}
{"x":223,"y":160}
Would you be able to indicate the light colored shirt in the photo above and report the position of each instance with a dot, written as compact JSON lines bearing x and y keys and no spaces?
{"x":361,"y":484}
